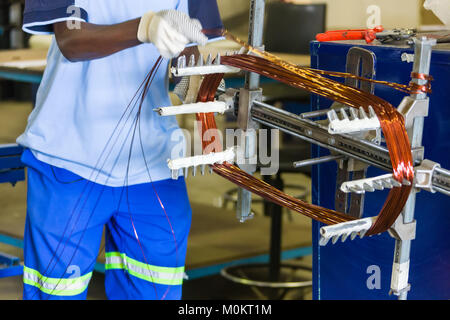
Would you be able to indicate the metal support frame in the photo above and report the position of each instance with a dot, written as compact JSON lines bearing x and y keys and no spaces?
{"x":400,"y":269}
{"x":247,"y":95}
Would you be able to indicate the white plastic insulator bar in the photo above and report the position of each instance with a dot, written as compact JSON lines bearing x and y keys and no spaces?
{"x":208,"y":159}
{"x":345,"y":229}
{"x":203,"y":70}
{"x":200,"y":107}
{"x":371,"y":184}
{"x":357,"y":122}
{"x":352,"y":126}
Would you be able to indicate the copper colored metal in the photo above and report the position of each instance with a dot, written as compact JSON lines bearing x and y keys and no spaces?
{"x":422,"y":76}
{"x":411,"y":88}
{"x":392,"y":124}
{"x":417,"y":88}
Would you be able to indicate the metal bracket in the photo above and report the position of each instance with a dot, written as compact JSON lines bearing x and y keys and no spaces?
{"x":231,"y":98}
{"x":403,"y":231}
{"x":249,"y":147}
{"x":411,"y":108}
{"x":418,"y":154}
{"x":400,"y":292}
{"x":246,"y":100}
{"x":245,"y":123}
{"x":424,"y":175}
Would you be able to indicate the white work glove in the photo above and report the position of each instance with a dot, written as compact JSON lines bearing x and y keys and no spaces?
{"x":170,"y":31}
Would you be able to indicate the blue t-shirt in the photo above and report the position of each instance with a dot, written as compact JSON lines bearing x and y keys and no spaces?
{"x":207,"y":12}
{"x":78,"y":121}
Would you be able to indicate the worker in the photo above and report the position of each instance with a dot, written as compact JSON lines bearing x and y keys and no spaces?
{"x":83,"y":175}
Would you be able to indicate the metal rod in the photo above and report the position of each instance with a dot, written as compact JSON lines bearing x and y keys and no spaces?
{"x":422,"y":60}
{"x":311,"y":162}
{"x":255,"y":38}
{"x":442,"y":171}
{"x":441,"y":180}
{"x":317,"y":113}
{"x":252,"y":81}
{"x":438,"y":189}
{"x":275,"y":235}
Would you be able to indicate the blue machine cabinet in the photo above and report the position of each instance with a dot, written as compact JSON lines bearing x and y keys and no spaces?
{"x":347,"y":270}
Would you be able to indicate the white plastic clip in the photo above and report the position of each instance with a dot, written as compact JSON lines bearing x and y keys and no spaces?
{"x":353,"y":122}
{"x":345,"y":229}
{"x":372,"y":184}
{"x":201,"y":67}
{"x":200,"y":161}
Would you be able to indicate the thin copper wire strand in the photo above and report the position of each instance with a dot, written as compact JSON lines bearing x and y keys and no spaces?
{"x":411,"y":88}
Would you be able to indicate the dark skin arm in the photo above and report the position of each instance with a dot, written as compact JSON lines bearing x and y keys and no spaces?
{"x":98,"y":41}
{"x":93,"y":41}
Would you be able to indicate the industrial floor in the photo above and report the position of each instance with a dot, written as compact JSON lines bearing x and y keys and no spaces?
{"x":216,"y":236}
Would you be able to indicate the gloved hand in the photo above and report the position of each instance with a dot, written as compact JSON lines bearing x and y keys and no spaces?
{"x":170,"y":31}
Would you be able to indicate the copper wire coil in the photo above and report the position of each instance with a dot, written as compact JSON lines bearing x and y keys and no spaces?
{"x":392,"y":125}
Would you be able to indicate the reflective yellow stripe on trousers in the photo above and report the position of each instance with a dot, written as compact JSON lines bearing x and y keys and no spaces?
{"x":155,"y":274}
{"x":55,"y":286}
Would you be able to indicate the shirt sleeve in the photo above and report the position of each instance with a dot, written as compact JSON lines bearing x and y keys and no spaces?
{"x":208,"y":13}
{"x":40,"y":15}
{"x":183,"y":6}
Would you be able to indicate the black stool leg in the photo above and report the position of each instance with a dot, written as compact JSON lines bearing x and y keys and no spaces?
{"x":275,"y":235}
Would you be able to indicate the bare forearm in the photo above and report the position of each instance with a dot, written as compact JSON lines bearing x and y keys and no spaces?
{"x":95,"y":41}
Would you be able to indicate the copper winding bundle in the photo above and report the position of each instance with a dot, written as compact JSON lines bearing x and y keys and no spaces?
{"x":411,"y":88}
{"x":392,"y":125}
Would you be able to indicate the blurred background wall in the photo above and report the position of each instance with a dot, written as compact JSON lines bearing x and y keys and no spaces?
{"x":344,"y":13}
